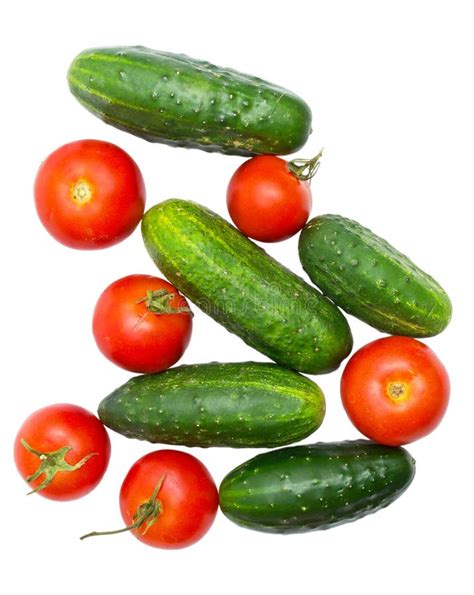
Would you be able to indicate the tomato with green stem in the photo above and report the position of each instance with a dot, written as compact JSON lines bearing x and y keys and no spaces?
{"x":62,"y":451}
{"x":168,"y":499}
{"x":395,"y":390}
{"x":89,"y":194}
{"x":269,"y":199}
{"x":142,"y":323}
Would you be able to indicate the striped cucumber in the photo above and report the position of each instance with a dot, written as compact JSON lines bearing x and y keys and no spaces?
{"x":303,"y":488}
{"x":240,"y":286}
{"x":233,"y":404}
{"x":369,"y":278}
{"x":180,"y":101}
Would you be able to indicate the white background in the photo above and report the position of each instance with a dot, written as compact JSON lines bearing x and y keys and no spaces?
{"x":390,"y":85}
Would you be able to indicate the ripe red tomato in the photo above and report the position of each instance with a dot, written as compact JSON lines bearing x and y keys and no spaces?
{"x":267,"y":201}
{"x":142,"y":323}
{"x":395,"y":390}
{"x":168,"y":500}
{"x":62,"y":451}
{"x":89,"y":194}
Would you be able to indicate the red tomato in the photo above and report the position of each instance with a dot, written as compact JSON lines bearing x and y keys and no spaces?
{"x":267,"y":201}
{"x":89,"y":194}
{"x":142,"y":323}
{"x":168,"y":500}
{"x":395,"y":390}
{"x":62,"y":451}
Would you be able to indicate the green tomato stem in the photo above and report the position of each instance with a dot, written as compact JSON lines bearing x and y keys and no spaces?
{"x":51,"y":463}
{"x":148,"y":513}
{"x":305,"y":169}
{"x":158,"y":302}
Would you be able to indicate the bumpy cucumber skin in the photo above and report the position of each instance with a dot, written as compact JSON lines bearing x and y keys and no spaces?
{"x":304,"y":488}
{"x":180,"y":101}
{"x":369,"y":278}
{"x":244,"y":289}
{"x":239,"y":405}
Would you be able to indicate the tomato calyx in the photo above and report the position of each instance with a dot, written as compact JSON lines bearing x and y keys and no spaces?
{"x":158,"y":302}
{"x":51,"y":463}
{"x":146,"y":514}
{"x":305,"y":169}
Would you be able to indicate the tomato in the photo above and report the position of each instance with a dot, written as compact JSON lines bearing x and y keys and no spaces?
{"x":168,"y":500}
{"x":142,"y":323}
{"x":62,"y":451}
{"x":89,"y":194}
{"x":395,"y":390}
{"x":269,"y":199}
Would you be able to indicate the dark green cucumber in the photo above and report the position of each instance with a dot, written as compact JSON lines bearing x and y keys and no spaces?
{"x":234,"y":404}
{"x":303,"y":488}
{"x":177,"y":100}
{"x":240,"y":286}
{"x":369,"y":278}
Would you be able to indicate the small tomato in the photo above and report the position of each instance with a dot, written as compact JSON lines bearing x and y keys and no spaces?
{"x":269,"y":199}
{"x":89,"y":194}
{"x":142,"y":323}
{"x":395,"y":390}
{"x":168,"y":500}
{"x":62,"y":451}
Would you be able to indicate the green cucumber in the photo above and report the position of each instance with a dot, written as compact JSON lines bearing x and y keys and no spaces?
{"x":233,"y":404}
{"x":369,"y":278}
{"x":303,"y":488}
{"x":180,"y":101}
{"x":240,"y":286}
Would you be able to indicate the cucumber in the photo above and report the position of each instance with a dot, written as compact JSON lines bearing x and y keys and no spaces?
{"x":234,"y":404}
{"x":304,"y":488}
{"x":240,"y":286}
{"x":369,"y":278}
{"x":180,"y":101}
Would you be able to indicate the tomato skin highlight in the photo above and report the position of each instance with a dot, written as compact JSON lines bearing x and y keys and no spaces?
{"x":395,"y":390}
{"x":188,"y":496}
{"x":266,"y":201}
{"x":56,"y":426}
{"x":133,"y":337}
{"x":89,"y":194}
